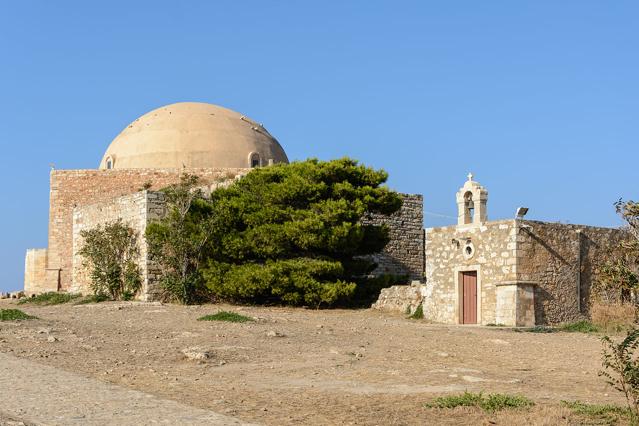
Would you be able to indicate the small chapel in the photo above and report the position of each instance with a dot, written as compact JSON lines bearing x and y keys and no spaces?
{"x":511,"y":272}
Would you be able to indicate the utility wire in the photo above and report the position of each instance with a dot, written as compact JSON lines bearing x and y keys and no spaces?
{"x":438,"y":215}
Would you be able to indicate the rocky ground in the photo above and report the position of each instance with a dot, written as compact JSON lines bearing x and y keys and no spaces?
{"x":299,"y":366}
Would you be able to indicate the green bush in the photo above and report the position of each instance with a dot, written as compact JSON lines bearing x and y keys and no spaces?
{"x":609,"y":414}
{"x":621,"y":367}
{"x":579,"y":327}
{"x":177,"y":242}
{"x":289,"y":233}
{"x":490,"y":402}
{"x":226,"y":316}
{"x":295,"y":234}
{"x":50,"y":298}
{"x":110,"y":252}
{"x":14,"y":315}
{"x":419,"y":313}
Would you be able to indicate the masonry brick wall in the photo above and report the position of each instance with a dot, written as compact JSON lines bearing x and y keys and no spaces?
{"x":562,"y":259}
{"x":76,"y":188}
{"x":404,"y":254}
{"x":553,"y":262}
{"x":494,"y":258}
{"x":35,"y":264}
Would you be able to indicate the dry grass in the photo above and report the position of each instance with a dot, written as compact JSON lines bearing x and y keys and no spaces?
{"x":612,"y":317}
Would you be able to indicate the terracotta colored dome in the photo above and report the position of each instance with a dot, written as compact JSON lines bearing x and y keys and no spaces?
{"x":192,"y":135}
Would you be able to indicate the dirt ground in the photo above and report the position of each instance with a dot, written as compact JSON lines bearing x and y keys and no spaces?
{"x":299,"y":366}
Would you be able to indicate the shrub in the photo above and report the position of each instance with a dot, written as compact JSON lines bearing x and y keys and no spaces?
{"x":490,"y":402}
{"x":617,"y":279}
{"x":177,"y":241}
{"x":419,"y":313}
{"x":50,"y":298}
{"x":226,"y":316}
{"x":621,"y":367}
{"x":14,"y":315}
{"x":609,"y":414}
{"x":296,"y":233}
{"x":579,"y":327}
{"x":110,"y":252}
{"x":613,"y":317}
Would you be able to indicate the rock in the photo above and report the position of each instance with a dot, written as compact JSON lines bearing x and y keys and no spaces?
{"x":196,"y":354}
{"x":88,"y":347}
{"x":52,"y":339}
{"x":273,"y":333}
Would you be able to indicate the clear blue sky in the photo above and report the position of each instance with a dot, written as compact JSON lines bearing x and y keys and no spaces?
{"x":540,"y":99}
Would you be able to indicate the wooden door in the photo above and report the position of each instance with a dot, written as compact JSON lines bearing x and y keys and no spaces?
{"x":469,"y":297}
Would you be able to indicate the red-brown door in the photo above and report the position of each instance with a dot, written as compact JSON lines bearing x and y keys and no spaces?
{"x":469,"y":297}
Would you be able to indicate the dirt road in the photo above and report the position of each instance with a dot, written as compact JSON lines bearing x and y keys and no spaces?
{"x":297,"y":366}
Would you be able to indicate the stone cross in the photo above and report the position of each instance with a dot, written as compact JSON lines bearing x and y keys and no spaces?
{"x":470,"y":177}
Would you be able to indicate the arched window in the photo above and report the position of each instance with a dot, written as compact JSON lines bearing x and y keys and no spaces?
{"x":254,"y":160}
{"x":109,"y":163}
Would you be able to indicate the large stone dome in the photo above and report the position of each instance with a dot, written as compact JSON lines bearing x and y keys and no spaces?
{"x":192,"y":135}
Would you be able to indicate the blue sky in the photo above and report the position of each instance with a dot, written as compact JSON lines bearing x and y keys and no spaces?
{"x":539,"y":99}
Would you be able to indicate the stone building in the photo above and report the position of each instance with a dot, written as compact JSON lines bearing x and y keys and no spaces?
{"x":511,"y":272}
{"x":514,"y":272}
{"x":215,"y":143}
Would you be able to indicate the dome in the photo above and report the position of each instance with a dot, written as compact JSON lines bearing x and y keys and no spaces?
{"x":192,"y":135}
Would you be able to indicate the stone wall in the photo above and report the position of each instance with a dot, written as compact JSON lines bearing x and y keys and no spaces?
{"x":404,"y":254}
{"x":71,"y":189}
{"x":493,"y":256}
{"x":549,"y":265}
{"x":401,"y":298}
{"x":135,"y":210}
{"x":35,"y":264}
{"x":515,"y":304}
{"x":561,"y":259}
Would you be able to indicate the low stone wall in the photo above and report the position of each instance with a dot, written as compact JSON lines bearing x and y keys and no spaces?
{"x":404,"y":254}
{"x":562,"y":260}
{"x":135,"y":210}
{"x":401,"y":298}
{"x":35,"y":264}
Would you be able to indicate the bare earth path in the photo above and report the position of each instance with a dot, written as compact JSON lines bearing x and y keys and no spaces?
{"x":299,"y":366}
{"x":45,"y":395}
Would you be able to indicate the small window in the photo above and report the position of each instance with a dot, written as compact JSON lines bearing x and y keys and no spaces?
{"x":469,"y":250}
{"x":255,"y":160}
{"x":109,"y":163}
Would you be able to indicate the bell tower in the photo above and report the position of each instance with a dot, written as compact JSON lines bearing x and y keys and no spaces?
{"x":471,"y":203}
